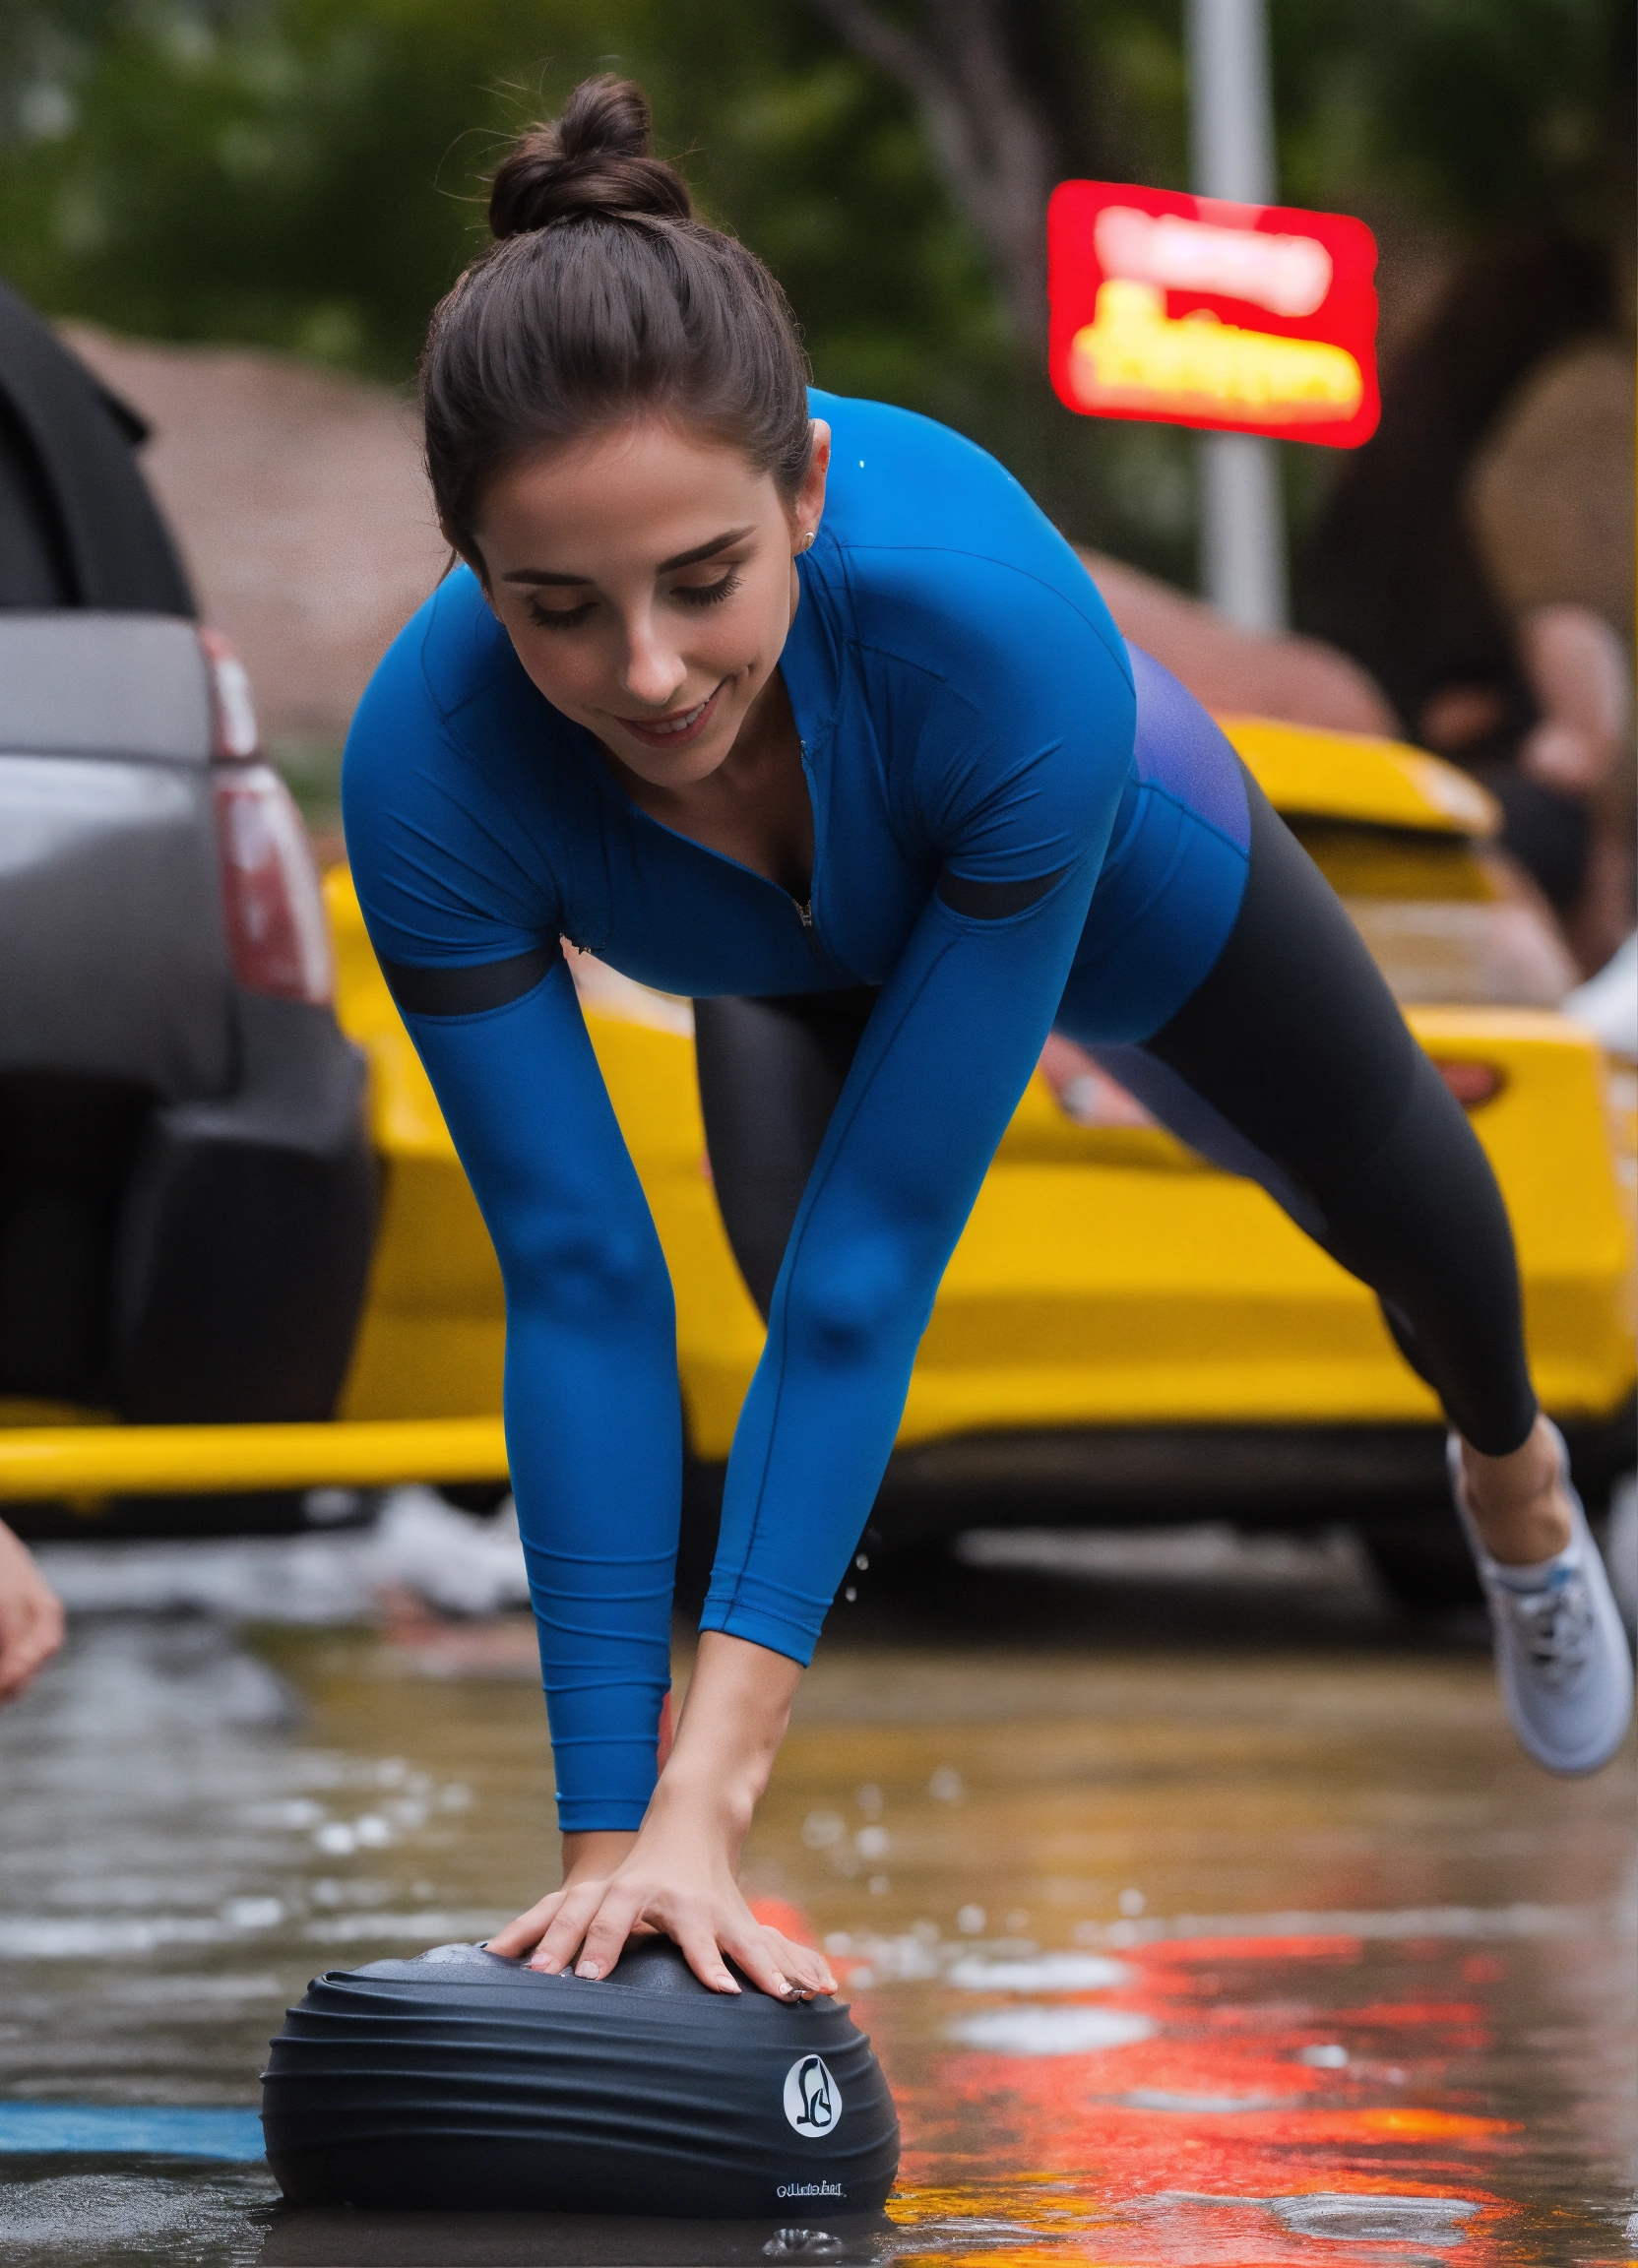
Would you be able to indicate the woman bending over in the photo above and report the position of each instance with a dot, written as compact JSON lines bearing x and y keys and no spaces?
{"x":798,"y":706}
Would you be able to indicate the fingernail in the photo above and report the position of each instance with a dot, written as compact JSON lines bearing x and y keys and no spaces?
{"x":724,"y":1983}
{"x":783,"y":1983}
{"x":589,"y":1969}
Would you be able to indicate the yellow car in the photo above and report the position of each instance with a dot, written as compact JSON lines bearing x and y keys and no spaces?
{"x":1124,"y":1332}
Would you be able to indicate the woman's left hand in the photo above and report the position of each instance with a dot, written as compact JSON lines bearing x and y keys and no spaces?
{"x":677,"y":1874}
{"x":678,"y":1878}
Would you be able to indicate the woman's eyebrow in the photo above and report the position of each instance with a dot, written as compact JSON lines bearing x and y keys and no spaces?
{"x":703,"y":550}
{"x":666,"y":566}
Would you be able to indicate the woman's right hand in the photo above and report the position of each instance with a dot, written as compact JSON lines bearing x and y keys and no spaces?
{"x":30,"y":1617}
{"x":589,"y":1862}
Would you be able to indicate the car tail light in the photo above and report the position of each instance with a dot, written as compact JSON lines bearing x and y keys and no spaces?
{"x":276,"y":930}
{"x":1471,"y":1082}
{"x":234,"y":734}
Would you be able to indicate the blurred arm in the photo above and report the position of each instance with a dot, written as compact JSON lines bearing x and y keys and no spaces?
{"x":30,"y":1617}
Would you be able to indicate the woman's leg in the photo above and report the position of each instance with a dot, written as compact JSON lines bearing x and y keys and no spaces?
{"x":1292,"y":1063}
{"x":770,"y":1074}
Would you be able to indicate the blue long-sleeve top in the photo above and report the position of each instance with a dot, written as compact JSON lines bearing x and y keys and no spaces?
{"x":1008,"y":833}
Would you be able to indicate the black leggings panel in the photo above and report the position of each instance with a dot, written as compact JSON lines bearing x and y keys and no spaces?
{"x":770,"y":1075}
{"x":1290,"y":1064}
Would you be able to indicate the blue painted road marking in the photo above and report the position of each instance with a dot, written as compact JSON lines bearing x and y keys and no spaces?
{"x":152,"y":2130}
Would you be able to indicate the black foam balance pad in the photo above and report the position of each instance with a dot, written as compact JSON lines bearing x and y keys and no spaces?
{"x":460,"y":2082}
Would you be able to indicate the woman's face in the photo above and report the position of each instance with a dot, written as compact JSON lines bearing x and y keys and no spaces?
{"x":646,"y":577}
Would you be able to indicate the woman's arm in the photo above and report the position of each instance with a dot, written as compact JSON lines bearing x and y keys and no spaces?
{"x":595,"y":1436}
{"x":451,"y":859}
{"x":593,"y":1415}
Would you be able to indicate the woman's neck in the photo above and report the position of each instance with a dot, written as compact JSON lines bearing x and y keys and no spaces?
{"x":755,"y":807}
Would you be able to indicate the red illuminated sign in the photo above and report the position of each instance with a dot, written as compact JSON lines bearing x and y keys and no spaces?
{"x":1244,"y":318}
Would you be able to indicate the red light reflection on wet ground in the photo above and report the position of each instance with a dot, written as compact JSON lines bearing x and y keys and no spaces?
{"x":1282,"y":2099}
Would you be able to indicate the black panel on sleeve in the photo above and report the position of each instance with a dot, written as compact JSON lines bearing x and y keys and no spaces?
{"x":467,"y":991}
{"x":995,"y":901}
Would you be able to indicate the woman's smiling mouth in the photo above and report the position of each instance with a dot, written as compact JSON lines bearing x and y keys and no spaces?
{"x":674,"y":731}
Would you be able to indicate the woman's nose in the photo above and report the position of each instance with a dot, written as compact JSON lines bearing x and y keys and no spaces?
{"x":651,"y":674}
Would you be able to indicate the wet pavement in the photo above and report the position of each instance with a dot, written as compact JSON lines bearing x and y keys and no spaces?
{"x":1199,"y":1911}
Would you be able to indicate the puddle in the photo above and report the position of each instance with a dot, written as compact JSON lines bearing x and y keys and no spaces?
{"x":1205,"y":1950}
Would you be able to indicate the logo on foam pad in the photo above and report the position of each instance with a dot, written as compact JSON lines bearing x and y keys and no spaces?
{"x":812,"y":2098}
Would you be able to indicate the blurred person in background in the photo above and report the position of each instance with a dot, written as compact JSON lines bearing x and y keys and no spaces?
{"x":1477,"y":555}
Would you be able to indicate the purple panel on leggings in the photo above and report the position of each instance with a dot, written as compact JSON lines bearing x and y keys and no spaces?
{"x":1184,"y":753}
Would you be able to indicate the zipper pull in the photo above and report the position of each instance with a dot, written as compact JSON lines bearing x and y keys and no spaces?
{"x":804,"y":913}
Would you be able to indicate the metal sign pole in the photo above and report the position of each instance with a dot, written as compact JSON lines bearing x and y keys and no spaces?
{"x":1242,"y":534}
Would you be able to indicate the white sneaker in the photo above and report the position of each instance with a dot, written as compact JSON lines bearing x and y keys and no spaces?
{"x":1562,"y":1656}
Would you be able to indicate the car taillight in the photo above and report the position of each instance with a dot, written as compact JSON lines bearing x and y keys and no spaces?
{"x":234,"y":735}
{"x":276,"y":930}
{"x":1471,"y":1082}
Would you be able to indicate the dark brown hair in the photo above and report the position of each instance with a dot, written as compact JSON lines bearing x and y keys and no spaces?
{"x":604,"y":297}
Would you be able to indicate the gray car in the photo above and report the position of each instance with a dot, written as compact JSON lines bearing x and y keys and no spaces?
{"x":186,"y":1189}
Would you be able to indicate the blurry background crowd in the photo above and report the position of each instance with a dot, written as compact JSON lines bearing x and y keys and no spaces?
{"x":242,"y":210}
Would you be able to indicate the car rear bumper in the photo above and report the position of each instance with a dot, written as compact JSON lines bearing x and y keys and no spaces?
{"x":245,"y":1239}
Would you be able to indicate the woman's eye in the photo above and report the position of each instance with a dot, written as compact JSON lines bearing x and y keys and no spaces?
{"x":559,"y":617}
{"x":708,"y":593}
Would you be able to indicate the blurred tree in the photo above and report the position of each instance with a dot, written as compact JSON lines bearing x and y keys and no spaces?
{"x":307,"y":173}
{"x":1004,"y":95}
{"x":1513,"y":126}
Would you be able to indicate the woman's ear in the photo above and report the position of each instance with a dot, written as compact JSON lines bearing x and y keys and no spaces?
{"x":808,"y":508}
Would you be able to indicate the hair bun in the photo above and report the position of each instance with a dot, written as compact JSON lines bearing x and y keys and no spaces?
{"x":593,"y":159}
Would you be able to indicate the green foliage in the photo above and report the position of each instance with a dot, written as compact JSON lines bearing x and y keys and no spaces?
{"x":307,"y":174}
{"x":1476,"y":114}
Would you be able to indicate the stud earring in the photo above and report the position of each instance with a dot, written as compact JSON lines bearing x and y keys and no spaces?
{"x":806,"y":543}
